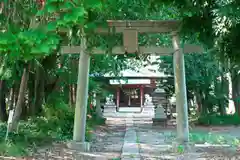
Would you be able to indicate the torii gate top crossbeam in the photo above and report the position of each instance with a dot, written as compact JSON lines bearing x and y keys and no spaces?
{"x":142,"y":26}
{"x":130,"y":29}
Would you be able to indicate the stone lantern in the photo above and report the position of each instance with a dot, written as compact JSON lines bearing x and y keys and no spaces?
{"x":158,"y":99}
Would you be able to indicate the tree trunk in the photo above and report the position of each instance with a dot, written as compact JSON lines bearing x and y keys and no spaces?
{"x":70,"y":95}
{"x":221,"y":101}
{"x":11,"y":99}
{"x":24,"y":113}
{"x":38,"y":89}
{"x":20,"y":101}
{"x":235,"y":77}
{"x":236,"y":94}
{"x":231,"y":105}
{"x":3,"y":110}
{"x":40,"y":96}
{"x":74,"y":93}
{"x":16,"y":90}
{"x":55,"y":86}
{"x":203,"y":100}
{"x":198,"y":101}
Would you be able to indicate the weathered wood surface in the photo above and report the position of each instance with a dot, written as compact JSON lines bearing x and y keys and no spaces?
{"x":142,"y":26}
{"x":130,"y":40}
{"x":154,"y":50}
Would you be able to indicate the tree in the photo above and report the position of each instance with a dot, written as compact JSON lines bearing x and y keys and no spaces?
{"x":30,"y":46}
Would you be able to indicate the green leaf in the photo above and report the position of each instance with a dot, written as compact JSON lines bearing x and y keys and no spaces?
{"x":51,"y":8}
{"x":52,"y":26}
{"x":40,"y":49}
{"x":68,"y":5}
{"x":90,"y":26}
{"x":75,"y":15}
{"x":40,"y":13}
{"x":93,"y":4}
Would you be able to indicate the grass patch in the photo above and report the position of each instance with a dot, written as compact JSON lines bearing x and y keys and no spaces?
{"x":198,"y":137}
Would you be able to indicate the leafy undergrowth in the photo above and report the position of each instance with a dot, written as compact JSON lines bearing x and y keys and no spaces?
{"x":54,"y":126}
{"x":219,"y":120}
{"x":201,"y":137}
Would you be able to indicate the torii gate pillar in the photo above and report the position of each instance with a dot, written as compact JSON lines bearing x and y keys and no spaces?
{"x":180,"y":91}
{"x":78,"y":142}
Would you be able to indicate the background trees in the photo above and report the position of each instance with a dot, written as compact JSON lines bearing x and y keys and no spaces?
{"x":212,"y":78}
{"x":35,"y":80}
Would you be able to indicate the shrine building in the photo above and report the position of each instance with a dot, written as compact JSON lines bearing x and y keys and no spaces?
{"x":133,"y":90}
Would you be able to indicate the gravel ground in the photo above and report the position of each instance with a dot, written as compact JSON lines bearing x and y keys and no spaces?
{"x":108,"y":141}
{"x":154,"y":145}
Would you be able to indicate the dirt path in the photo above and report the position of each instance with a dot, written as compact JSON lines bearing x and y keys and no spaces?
{"x":106,"y":143}
{"x":108,"y":140}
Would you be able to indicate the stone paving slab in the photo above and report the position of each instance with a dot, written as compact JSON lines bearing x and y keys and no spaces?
{"x":130,"y":148}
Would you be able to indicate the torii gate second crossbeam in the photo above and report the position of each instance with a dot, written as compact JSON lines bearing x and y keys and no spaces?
{"x":130,"y":30}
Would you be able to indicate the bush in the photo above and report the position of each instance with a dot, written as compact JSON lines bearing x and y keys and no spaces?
{"x":219,"y":120}
{"x":55,"y":124}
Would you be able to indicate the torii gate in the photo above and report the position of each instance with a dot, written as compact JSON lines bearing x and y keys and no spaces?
{"x":130,"y":30}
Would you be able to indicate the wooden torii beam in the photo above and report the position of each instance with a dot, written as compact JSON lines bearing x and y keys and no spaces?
{"x":130,"y":30}
{"x":118,"y":50}
{"x":142,"y":26}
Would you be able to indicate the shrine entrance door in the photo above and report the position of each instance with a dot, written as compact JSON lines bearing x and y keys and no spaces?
{"x":130,"y":97}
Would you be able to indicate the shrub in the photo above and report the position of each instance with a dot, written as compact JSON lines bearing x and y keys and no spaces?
{"x":219,"y":120}
{"x":55,"y":124}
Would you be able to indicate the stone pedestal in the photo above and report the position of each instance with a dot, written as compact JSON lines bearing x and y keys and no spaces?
{"x":98,"y":107}
{"x":79,"y":146}
{"x":109,"y":110}
{"x":160,"y":116}
{"x":148,"y":110}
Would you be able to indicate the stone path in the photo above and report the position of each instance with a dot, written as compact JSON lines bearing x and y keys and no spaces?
{"x":131,"y":147}
{"x":108,"y":140}
{"x":141,"y":142}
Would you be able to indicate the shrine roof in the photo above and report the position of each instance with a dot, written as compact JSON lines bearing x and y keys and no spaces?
{"x":142,"y":72}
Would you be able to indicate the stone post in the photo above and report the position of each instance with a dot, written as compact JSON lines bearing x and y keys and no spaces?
{"x":141,"y":96}
{"x":78,"y":142}
{"x":98,"y":107}
{"x":110,"y":108}
{"x":180,"y":91}
{"x":129,"y":100}
{"x":118,"y":98}
{"x":160,"y":117}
